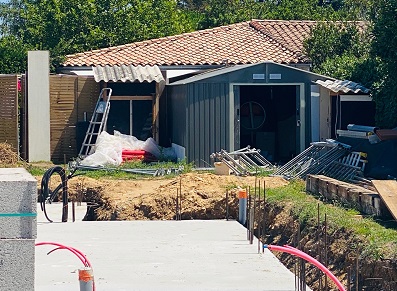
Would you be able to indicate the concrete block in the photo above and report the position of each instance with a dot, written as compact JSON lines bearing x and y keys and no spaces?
{"x":17,"y":264}
{"x":18,"y":204}
{"x":221,"y":169}
{"x":18,"y":227}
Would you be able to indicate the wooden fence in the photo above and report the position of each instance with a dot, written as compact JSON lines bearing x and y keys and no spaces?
{"x":9,"y":110}
{"x":70,"y":97}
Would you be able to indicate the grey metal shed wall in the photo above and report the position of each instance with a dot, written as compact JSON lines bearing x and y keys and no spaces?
{"x":207,"y":121}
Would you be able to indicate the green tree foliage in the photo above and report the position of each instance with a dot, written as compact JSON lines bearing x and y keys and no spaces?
{"x":342,"y":51}
{"x":384,"y":50}
{"x":65,"y":27}
{"x":222,"y":12}
{"x":13,"y":55}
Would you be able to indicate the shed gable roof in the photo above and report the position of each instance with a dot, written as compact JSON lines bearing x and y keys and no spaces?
{"x":241,"y":43}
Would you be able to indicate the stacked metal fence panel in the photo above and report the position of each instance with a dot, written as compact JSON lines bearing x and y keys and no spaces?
{"x":313,"y":160}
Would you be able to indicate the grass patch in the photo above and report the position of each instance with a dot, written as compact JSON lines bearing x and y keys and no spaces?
{"x":35,"y":171}
{"x":381,"y":242}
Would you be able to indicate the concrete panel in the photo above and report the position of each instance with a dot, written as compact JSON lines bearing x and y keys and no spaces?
{"x":18,"y":204}
{"x":38,"y":106}
{"x":17,"y":264}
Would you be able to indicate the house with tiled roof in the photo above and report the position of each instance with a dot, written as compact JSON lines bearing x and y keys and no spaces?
{"x":241,"y":43}
{"x":250,"y":64}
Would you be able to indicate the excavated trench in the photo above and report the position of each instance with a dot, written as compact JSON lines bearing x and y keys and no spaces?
{"x":344,"y":257}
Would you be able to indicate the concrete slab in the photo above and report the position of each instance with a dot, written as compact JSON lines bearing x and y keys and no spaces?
{"x":158,"y":255}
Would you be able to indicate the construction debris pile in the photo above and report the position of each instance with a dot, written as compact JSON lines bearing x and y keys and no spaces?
{"x":112,"y":150}
{"x":359,"y":152}
{"x":330,"y":158}
{"x":243,"y":162}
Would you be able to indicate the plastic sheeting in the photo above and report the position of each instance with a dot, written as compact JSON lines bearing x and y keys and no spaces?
{"x":108,"y":149}
{"x":381,"y":157}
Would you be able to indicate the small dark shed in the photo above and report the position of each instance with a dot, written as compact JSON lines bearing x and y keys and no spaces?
{"x":264,"y":105}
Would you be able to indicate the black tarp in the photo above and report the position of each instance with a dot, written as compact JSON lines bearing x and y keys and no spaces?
{"x":381,"y":156}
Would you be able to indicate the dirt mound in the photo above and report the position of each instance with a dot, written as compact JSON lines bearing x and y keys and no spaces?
{"x":203,"y":195}
{"x":7,"y":155}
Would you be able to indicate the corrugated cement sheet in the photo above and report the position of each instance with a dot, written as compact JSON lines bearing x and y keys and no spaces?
{"x":128,"y":74}
{"x":344,"y":86}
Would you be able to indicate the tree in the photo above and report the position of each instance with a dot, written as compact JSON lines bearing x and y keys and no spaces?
{"x":340,"y":50}
{"x":384,"y":49}
{"x":69,"y":26}
{"x":13,"y":54}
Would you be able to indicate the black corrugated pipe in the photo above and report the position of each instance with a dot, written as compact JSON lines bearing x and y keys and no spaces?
{"x":46,"y":195}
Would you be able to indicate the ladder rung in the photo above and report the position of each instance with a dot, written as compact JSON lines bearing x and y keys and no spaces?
{"x":88,"y":144}
{"x":92,"y":133}
{"x":96,"y":122}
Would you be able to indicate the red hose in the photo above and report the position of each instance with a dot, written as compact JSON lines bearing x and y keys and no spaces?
{"x":82,"y":257}
{"x":300,"y":254}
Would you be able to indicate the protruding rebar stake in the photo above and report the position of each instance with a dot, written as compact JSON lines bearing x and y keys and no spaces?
{"x":227,"y":205}
{"x":73,"y":211}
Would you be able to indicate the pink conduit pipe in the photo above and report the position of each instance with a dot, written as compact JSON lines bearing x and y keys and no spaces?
{"x":79,"y":254}
{"x":300,"y":254}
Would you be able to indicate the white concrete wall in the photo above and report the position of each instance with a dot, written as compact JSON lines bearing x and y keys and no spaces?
{"x":38,"y":106}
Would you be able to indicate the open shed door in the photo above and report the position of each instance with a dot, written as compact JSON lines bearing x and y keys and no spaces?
{"x":267,"y":117}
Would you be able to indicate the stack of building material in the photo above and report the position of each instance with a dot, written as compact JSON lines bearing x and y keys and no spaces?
{"x":18,"y":229}
{"x":350,"y":168}
{"x":137,"y":155}
{"x":313,"y":160}
{"x":365,"y":200}
{"x":244,"y":161}
{"x":360,"y":131}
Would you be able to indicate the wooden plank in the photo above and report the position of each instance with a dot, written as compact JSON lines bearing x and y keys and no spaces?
{"x":387,"y":190}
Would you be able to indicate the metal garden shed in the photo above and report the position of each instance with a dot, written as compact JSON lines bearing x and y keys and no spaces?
{"x":264,"y":105}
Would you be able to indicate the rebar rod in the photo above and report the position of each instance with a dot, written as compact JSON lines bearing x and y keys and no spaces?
{"x":227,"y":205}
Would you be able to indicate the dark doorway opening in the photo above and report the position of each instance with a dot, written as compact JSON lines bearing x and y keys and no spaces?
{"x":268,"y":120}
{"x":344,"y":113}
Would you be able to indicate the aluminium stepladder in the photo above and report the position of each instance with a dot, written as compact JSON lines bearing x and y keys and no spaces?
{"x":97,"y":123}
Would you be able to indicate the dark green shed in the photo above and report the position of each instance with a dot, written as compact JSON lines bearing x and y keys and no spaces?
{"x":264,"y":105}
